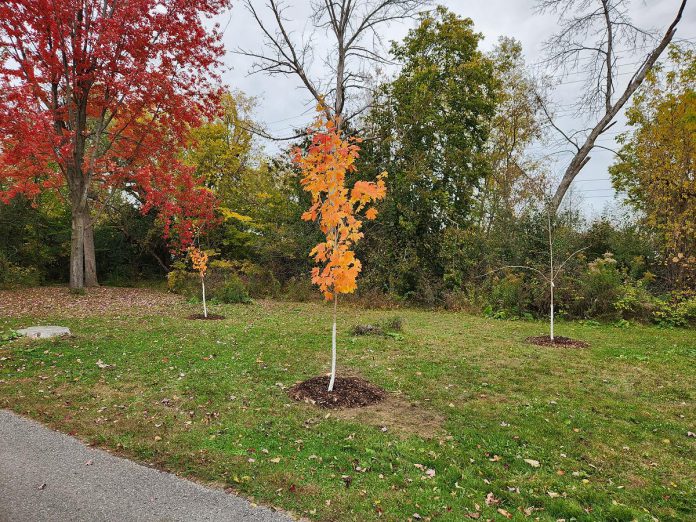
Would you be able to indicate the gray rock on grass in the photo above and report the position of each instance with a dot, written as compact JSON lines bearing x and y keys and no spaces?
{"x":41,"y":332}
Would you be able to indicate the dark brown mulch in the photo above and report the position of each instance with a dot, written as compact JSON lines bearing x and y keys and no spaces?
{"x":348,"y":392}
{"x":558,"y":341}
{"x":211,"y":317}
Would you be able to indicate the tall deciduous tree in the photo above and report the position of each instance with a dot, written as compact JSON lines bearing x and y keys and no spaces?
{"x":657,"y":165}
{"x":515,"y":179}
{"x":221,"y":149}
{"x":593,"y":33}
{"x":99,"y":94}
{"x":324,"y":167}
{"x":430,"y":128}
{"x":354,"y":30}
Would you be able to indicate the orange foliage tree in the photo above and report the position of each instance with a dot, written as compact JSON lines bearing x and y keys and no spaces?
{"x":335,"y":207}
{"x":199,"y":259}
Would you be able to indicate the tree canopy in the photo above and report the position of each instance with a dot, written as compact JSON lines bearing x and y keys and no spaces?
{"x":657,"y":165}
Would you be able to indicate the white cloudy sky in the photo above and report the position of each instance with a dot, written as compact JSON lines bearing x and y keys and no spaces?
{"x":283,"y":105}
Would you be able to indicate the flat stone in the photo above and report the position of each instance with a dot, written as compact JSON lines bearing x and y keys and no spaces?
{"x":36,"y":332}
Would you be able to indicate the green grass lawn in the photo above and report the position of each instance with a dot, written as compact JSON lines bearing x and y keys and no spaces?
{"x":469,"y":402}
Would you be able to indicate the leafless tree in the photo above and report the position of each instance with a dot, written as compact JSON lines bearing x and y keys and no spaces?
{"x":554,"y":270}
{"x":593,"y":33}
{"x":353,"y":28}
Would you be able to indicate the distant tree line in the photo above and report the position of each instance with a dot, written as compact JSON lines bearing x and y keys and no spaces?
{"x":465,"y":199}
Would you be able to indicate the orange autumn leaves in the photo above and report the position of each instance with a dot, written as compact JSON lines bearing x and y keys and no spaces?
{"x":199,"y":260}
{"x":324,"y":167}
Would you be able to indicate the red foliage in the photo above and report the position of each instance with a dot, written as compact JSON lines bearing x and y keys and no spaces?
{"x":108,"y":88}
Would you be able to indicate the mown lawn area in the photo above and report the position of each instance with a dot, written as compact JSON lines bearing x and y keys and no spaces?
{"x":605,"y":430}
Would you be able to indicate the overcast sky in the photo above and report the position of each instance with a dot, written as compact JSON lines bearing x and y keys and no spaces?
{"x":283,"y":105}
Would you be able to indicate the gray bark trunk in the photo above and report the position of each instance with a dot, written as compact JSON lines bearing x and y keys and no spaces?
{"x":89,"y":253}
{"x":77,"y":250}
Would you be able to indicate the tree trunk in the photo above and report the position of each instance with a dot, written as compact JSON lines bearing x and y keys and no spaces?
{"x":333,"y":346}
{"x":77,"y":249}
{"x":551,"y":311}
{"x":552,"y":276}
{"x":582,"y":156}
{"x":90,"y":259}
{"x":205,"y":307}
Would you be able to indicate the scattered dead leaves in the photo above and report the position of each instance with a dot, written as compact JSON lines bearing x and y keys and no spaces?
{"x":56,"y":301}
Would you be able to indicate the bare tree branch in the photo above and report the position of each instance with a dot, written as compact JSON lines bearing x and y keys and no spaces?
{"x":349,"y":23}
{"x":610,"y":26}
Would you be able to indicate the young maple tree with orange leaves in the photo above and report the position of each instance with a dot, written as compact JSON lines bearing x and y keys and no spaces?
{"x":199,"y":259}
{"x":324,"y":167}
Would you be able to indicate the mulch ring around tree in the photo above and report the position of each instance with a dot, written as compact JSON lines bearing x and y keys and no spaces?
{"x":348,"y":392}
{"x":558,"y":341}
{"x":211,"y":317}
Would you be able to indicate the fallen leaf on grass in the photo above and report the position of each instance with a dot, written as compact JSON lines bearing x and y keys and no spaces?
{"x":505,"y":513}
{"x":275,"y":460}
{"x":491,"y":500}
{"x":533,"y":463}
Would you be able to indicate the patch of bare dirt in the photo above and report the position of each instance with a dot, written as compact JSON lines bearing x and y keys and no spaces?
{"x":56,"y":301}
{"x":557,"y":342}
{"x":397,"y":415}
{"x":348,"y":392}
{"x":209,"y":317}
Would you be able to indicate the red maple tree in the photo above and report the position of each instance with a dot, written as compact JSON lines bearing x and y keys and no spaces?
{"x":101,"y":94}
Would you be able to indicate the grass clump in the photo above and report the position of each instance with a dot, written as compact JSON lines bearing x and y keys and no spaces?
{"x":388,"y":327}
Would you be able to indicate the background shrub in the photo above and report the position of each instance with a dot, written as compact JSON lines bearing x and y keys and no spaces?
{"x":635,"y":302}
{"x":13,"y":276}
{"x":601,"y":285}
{"x":509,"y":296}
{"x":677,"y":310}
{"x":222,"y":283}
{"x":232,"y":291}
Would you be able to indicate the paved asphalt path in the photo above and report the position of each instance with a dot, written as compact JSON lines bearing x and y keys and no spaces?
{"x":44,"y":476}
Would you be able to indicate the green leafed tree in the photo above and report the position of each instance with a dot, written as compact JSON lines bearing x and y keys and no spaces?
{"x":430,"y":127}
{"x":260,"y":201}
{"x":223,"y":147}
{"x":515,"y":180}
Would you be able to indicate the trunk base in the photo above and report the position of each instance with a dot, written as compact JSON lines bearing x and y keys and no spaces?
{"x":557,"y":341}
{"x":349,"y":392}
